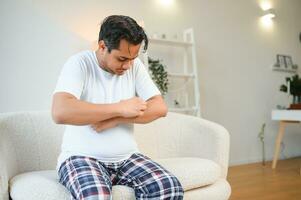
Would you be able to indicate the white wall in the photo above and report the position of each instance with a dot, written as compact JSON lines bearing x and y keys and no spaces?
{"x":238,"y":88}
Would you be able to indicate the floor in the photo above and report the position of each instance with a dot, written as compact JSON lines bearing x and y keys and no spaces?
{"x":258,"y":182}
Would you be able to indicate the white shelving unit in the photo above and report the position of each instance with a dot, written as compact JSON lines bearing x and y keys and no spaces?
{"x":179,"y":75}
{"x":188,"y":44}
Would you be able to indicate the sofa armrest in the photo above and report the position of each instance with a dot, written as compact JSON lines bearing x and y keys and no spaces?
{"x":214,"y":143}
{"x":178,"y":135}
{"x":8,"y":162}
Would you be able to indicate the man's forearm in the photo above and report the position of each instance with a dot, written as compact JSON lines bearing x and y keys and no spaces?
{"x":156,"y":109}
{"x":66,"y":109}
{"x":76,"y":112}
{"x":145,"y":118}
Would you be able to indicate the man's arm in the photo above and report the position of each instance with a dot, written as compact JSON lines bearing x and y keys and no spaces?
{"x":67,"y":109}
{"x":156,"y":108}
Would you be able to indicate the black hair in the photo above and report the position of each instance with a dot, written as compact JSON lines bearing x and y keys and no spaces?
{"x":117,"y":27}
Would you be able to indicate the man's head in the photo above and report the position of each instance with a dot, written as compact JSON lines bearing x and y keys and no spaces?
{"x":119,"y":42}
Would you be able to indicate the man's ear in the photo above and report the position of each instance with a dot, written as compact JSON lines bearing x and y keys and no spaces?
{"x":102,"y":45}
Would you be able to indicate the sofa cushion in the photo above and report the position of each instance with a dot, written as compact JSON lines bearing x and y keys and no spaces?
{"x":191,"y":172}
{"x":44,"y":185}
{"x":37,"y":185}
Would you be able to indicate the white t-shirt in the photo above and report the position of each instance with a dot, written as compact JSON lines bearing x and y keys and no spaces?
{"x":82,"y":77}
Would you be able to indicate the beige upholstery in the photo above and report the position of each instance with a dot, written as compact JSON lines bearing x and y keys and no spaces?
{"x":193,"y":149}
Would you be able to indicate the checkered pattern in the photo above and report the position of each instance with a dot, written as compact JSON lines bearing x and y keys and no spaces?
{"x":90,"y":179}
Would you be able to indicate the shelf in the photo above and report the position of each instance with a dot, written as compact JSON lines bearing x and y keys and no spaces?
{"x":181,"y":75}
{"x":289,"y":115}
{"x":170,"y":42}
{"x":183,"y":109}
{"x":184,"y":77}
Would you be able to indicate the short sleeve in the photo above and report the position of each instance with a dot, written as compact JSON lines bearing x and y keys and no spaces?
{"x":145,"y":87}
{"x":71,"y":78}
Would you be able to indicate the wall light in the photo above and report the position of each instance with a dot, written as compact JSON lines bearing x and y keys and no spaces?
{"x":267,"y":18}
{"x":269,"y":14}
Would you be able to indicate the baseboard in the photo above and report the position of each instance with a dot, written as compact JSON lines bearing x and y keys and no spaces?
{"x":256,"y":160}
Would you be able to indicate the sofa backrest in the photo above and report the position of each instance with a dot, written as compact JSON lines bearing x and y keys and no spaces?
{"x":36,"y":139}
{"x":175,"y":135}
{"x":31,"y":141}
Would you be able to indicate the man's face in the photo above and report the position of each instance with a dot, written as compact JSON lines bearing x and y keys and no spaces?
{"x":120,"y":60}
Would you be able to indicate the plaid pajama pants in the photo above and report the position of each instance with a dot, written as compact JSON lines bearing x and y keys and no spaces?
{"x":89,"y":179}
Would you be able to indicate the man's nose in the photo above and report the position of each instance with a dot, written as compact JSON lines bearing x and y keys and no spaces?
{"x":127,"y":64}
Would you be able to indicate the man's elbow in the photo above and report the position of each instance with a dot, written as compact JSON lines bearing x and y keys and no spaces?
{"x":57,"y":117}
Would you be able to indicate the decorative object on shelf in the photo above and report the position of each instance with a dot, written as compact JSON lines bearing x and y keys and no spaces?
{"x":281,"y":61}
{"x":293,"y":88}
{"x":285,"y":63}
{"x":158,"y":74}
{"x":261,"y":137}
{"x":288,"y":62}
{"x":280,"y":107}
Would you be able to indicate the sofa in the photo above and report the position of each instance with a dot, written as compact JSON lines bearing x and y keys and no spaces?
{"x":195,"y":150}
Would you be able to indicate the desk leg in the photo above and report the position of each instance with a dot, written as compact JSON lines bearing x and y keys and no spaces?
{"x":278,"y":143}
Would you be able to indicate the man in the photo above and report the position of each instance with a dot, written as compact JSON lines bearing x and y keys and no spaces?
{"x":99,"y":95}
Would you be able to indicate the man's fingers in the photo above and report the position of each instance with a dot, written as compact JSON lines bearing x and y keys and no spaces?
{"x":98,"y":130}
{"x":143,"y":107}
{"x":96,"y":127}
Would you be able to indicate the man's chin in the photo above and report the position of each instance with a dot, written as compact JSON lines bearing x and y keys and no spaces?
{"x":119,"y":72}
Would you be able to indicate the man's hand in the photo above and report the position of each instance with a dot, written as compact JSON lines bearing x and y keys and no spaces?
{"x":149,"y":111}
{"x":102,"y":125}
{"x":132,"y":107}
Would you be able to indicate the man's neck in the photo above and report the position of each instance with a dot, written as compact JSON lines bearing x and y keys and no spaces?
{"x":101,"y":63}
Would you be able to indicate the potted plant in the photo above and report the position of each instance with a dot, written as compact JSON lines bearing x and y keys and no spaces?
{"x":159,"y":75}
{"x":293,"y":87}
{"x":261,"y":136}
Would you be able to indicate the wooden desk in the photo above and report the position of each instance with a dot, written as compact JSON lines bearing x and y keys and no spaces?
{"x":285,"y":117}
